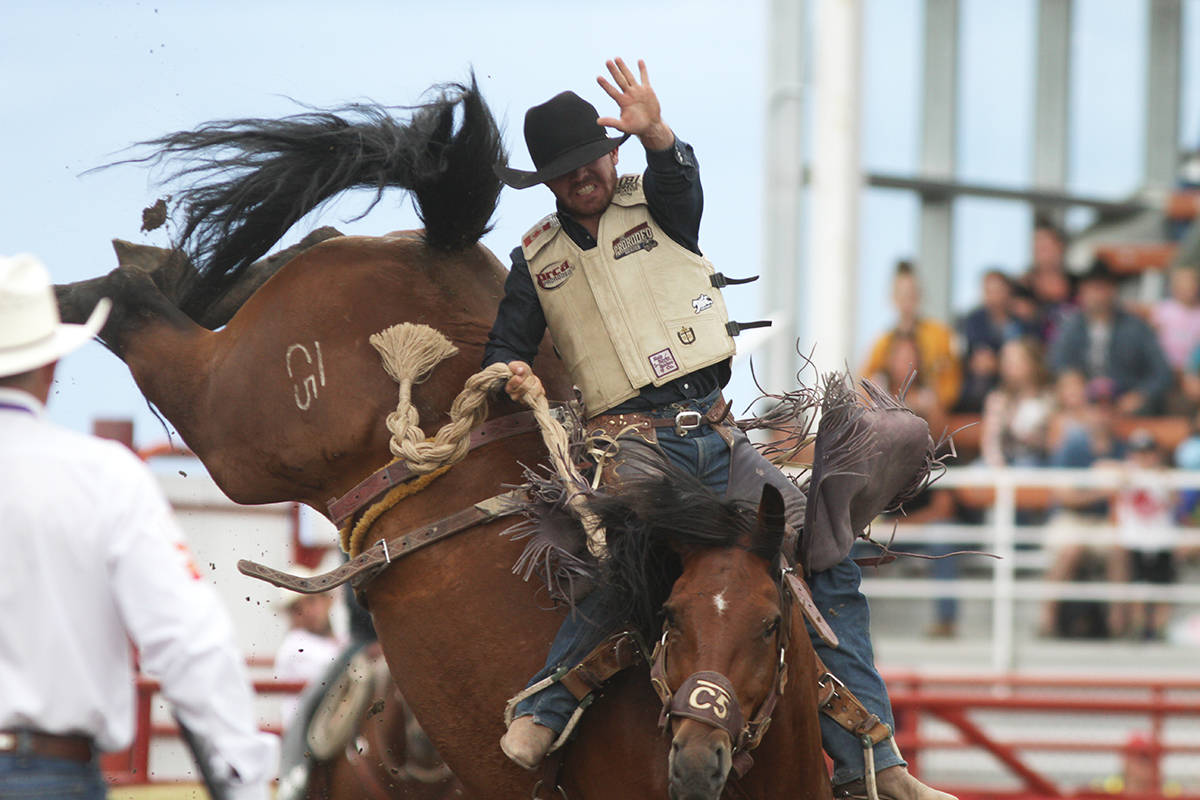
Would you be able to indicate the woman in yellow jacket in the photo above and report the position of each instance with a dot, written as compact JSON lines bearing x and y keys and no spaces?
{"x":941,"y":369}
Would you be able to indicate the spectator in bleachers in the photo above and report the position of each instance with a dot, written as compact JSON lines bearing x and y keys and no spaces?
{"x":1176,"y":319}
{"x":984,"y":330}
{"x":1187,"y":456}
{"x":1108,"y":344}
{"x":1016,"y":414}
{"x":902,"y":377}
{"x":1048,"y":281}
{"x":309,"y":647}
{"x":1081,"y":436}
{"x":1147,"y":536}
{"x":940,"y":368}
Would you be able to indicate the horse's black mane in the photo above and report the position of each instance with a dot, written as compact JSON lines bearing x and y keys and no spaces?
{"x":252,"y":179}
{"x":649,"y":522}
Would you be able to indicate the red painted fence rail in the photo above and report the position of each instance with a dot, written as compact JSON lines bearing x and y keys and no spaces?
{"x":951,"y":698}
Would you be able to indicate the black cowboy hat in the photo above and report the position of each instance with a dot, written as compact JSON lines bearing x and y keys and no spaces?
{"x":562,"y":135}
{"x":1099,"y":270}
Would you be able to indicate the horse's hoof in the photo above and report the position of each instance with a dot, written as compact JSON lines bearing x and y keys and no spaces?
{"x":526,"y":742}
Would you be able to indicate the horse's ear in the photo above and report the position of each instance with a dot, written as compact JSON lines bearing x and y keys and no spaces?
{"x":768,"y":534}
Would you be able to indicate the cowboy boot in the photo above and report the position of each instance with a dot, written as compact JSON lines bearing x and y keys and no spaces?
{"x":526,"y":742}
{"x":893,"y":783}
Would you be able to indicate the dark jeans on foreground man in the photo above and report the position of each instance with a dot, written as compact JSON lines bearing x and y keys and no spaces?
{"x":30,"y":777}
{"x":738,"y":472}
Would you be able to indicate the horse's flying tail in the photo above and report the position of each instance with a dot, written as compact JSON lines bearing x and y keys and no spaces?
{"x":252,"y":179}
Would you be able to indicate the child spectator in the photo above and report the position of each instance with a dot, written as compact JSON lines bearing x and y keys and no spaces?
{"x":1143,"y":511}
{"x":934,"y":340}
{"x":1016,"y":414}
{"x":1081,"y":436}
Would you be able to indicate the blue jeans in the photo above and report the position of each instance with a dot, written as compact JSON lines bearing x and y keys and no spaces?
{"x":27,"y":777}
{"x":738,"y":472}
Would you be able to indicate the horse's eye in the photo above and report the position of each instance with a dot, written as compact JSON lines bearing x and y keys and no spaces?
{"x":669,"y":617}
{"x":772,"y":627}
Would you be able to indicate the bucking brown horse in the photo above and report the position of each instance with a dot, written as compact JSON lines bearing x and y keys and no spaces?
{"x":264,"y":368}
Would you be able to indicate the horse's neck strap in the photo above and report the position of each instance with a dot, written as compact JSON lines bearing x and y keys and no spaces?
{"x":379,"y":482}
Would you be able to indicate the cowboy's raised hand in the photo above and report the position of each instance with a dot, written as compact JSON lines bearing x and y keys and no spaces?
{"x":641,"y":114}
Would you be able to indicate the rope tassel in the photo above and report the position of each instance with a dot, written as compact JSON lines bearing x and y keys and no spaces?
{"x":409,"y":352}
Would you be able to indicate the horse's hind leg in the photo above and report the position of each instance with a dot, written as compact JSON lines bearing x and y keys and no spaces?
{"x":174,"y":275}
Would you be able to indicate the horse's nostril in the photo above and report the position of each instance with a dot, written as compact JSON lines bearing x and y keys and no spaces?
{"x":675,"y":747}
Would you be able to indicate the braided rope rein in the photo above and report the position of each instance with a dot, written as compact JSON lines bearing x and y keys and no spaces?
{"x":409,"y":353}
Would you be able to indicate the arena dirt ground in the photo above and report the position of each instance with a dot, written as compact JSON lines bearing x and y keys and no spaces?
{"x":181,"y":791}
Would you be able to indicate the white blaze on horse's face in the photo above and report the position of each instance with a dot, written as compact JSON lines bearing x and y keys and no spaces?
{"x":720,"y":602}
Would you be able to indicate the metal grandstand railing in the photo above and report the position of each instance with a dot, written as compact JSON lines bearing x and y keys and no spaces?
{"x":1016,"y":575}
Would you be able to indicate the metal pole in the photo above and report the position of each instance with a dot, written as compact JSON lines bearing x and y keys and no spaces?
{"x":1004,"y":575}
{"x":836,"y":183}
{"x":1053,"y":82}
{"x":788,"y":36}
{"x":939,"y":153}
{"x":1163,"y":50}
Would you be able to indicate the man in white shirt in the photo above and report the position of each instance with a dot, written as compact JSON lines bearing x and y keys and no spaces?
{"x":92,"y":561}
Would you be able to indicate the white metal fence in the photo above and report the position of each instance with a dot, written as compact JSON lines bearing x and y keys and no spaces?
{"x":1016,"y":575}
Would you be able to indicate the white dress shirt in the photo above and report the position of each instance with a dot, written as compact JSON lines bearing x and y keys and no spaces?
{"x":90,"y":560}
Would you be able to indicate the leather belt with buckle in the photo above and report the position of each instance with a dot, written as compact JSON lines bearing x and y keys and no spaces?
{"x":25,"y":742}
{"x":688,"y":421}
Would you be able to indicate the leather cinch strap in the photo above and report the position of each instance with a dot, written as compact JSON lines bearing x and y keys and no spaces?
{"x":361,"y":569}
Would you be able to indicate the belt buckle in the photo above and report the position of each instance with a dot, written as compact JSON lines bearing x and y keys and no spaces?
{"x":8,"y":742}
{"x":687,"y":421}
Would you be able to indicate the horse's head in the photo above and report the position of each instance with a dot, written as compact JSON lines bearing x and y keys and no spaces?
{"x":719,"y":666}
{"x":707,"y":571}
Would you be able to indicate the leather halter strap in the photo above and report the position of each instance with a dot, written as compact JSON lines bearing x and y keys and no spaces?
{"x":381,"y":480}
{"x":361,"y":569}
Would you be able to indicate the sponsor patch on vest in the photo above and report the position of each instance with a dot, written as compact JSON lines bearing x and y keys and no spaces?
{"x":663,"y":363}
{"x":639,"y":238}
{"x":701,"y":303}
{"x":556,"y":275}
{"x":686,"y":335}
{"x":547,"y":224}
{"x":627,"y":184}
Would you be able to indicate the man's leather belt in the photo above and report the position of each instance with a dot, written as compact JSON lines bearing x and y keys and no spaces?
{"x":684,"y":421}
{"x":35,"y":743}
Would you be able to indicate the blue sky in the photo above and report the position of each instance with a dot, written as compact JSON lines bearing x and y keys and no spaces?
{"x":81,"y":82}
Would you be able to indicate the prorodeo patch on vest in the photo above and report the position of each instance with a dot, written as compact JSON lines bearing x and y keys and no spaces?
{"x":634,"y":239}
{"x":555,"y":275}
{"x":663,"y":362}
{"x":702,"y":303}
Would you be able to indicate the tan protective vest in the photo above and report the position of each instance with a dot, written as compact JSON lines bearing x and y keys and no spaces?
{"x":637,"y":309}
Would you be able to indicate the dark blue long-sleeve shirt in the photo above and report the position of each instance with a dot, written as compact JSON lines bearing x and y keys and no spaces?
{"x":676,"y":202}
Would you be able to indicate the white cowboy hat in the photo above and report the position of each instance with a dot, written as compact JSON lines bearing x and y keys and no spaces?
{"x":31,"y":332}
